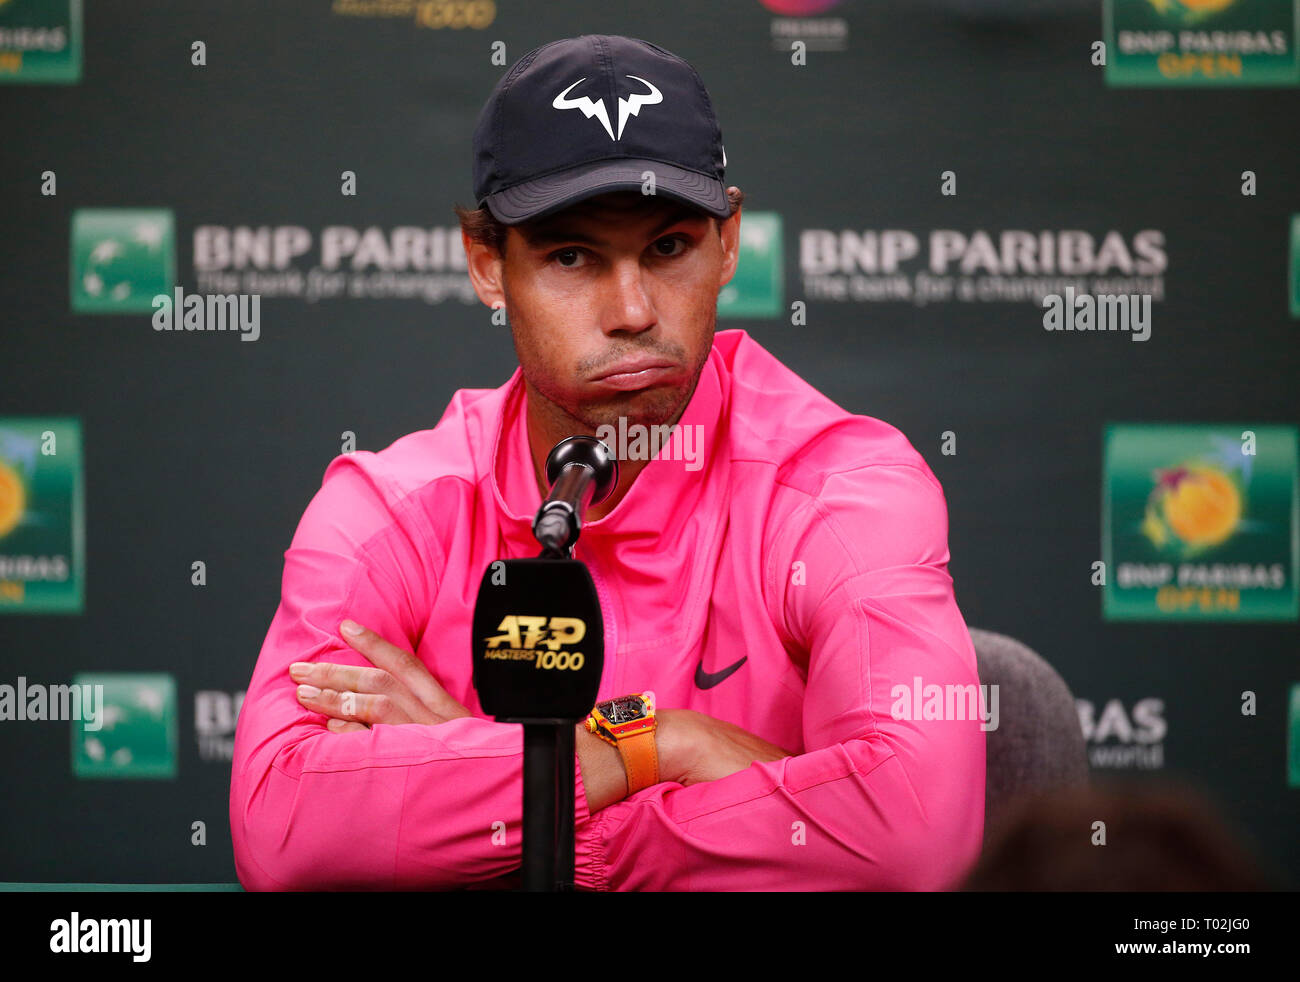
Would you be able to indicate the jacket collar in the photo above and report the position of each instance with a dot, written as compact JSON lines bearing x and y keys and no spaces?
{"x":665,"y":493}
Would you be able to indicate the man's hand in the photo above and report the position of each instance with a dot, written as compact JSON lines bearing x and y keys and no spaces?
{"x":695,"y":747}
{"x":692,"y":747}
{"x":399,"y":689}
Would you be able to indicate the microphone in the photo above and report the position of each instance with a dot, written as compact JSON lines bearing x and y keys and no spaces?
{"x":582,"y":472}
{"x":538,"y":650}
{"x":539,"y":638}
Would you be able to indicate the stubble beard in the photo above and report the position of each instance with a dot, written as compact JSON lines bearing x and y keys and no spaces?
{"x":649,"y":407}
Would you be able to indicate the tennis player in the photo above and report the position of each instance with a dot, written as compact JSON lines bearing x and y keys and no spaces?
{"x":772,"y":570}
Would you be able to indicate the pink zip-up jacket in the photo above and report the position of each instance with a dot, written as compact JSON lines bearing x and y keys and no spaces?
{"x":805,"y":540}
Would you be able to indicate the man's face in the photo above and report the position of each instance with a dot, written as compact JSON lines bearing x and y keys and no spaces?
{"x":618,"y":278}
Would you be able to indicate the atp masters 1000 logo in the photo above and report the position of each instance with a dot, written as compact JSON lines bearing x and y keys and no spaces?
{"x":523,"y":634}
{"x":1200,"y":522}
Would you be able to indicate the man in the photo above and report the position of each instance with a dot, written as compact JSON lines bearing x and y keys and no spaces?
{"x":774,"y":575}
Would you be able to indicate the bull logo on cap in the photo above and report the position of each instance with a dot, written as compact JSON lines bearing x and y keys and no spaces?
{"x":631,"y":106}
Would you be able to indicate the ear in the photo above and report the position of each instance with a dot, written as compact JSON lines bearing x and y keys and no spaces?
{"x":486,"y":271}
{"x":729,"y":232}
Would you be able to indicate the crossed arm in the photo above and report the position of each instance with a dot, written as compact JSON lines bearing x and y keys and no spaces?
{"x":398,"y":689}
{"x":415,"y":785}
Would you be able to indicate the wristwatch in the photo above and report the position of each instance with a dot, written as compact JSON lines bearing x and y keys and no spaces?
{"x":628,"y":723}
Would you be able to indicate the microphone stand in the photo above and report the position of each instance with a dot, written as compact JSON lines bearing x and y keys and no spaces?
{"x":581,"y":470}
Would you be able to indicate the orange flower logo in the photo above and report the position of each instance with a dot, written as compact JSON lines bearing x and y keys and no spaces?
{"x":1196,"y":503}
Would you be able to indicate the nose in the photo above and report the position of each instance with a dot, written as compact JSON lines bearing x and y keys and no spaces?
{"x":628,"y":306}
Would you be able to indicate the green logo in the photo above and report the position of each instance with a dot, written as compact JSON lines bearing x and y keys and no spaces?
{"x":1201,"y":43}
{"x":121,"y":259}
{"x":757,"y":288}
{"x":1200,"y":522}
{"x":138,"y":736}
{"x":40,"y":41}
{"x":42,"y":534}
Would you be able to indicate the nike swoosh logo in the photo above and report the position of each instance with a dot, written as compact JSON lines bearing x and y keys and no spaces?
{"x":707,"y":680}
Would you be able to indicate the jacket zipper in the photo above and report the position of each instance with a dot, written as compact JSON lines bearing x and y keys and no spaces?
{"x":606,"y":614}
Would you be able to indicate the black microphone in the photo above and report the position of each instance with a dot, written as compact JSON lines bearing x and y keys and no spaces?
{"x":538,"y":652}
{"x":582,"y":471}
{"x":539,"y":640}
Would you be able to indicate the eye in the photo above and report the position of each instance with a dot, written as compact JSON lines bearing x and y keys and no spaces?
{"x":685,"y":243}
{"x":572,"y":251}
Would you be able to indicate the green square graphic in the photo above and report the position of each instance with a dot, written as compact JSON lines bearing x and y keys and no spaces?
{"x":42,"y":523}
{"x":1201,"y":43}
{"x":138,"y":736}
{"x":121,"y":259}
{"x":1293,"y":744}
{"x":757,"y":289}
{"x":40,"y":41}
{"x":1295,"y":266}
{"x":1195,"y":527}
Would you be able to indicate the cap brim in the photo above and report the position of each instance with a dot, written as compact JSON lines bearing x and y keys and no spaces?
{"x":545,"y":195}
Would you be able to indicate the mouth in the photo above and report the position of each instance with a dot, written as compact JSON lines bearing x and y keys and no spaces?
{"x":636,"y":373}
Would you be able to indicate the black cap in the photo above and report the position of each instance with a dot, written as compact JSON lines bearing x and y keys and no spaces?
{"x":588,"y":115}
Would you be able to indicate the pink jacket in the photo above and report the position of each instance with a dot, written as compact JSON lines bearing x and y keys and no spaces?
{"x":808,"y":541}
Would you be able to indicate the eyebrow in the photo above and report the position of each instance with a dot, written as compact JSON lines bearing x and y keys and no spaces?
{"x":555,"y":234}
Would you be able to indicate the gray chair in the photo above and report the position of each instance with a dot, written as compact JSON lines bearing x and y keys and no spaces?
{"x":1038,"y":745}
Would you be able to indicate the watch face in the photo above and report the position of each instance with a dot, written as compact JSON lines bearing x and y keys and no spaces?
{"x":623,"y":710}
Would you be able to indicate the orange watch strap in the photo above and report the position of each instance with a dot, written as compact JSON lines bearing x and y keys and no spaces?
{"x":640,"y":760}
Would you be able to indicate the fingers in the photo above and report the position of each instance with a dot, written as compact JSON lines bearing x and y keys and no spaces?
{"x":343,"y":726}
{"x":404,"y":667}
{"x":355,"y":707}
{"x":327,"y":675}
{"x":397,"y":689}
{"x":362,"y":681}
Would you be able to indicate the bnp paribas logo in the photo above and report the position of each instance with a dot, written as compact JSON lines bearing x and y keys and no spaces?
{"x":121,"y":259}
{"x":1200,"y":42}
{"x":137,"y":738}
{"x":40,"y":41}
{"x":1200,"y":522}
{"x":758,"y":288}
{"x":42,"y":535}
